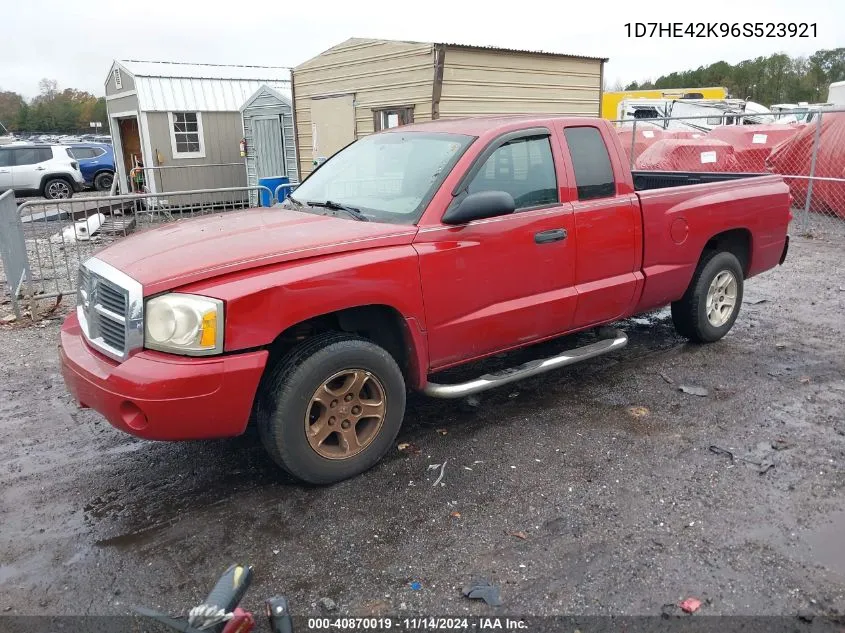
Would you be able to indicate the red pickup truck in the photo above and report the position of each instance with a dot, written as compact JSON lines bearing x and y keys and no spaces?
{"x":408,"y":252}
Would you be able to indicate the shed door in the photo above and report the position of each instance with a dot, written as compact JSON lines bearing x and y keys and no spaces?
{"x":332,"y":124}
{"x":269,"y":147}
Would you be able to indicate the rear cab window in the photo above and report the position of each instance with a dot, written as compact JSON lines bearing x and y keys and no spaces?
{"x":6,"y":158}
{"x":591,"y":163}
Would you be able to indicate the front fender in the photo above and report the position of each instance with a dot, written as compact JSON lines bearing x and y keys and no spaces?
{"x":263,"y":302}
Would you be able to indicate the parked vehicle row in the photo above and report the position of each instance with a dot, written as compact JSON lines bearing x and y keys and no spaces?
{"x":55,"y":171}
{"x":408,"y":252}
{"x":40,"y":170}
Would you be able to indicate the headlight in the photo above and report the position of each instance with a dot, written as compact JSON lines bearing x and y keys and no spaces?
{"x":184,"y":324}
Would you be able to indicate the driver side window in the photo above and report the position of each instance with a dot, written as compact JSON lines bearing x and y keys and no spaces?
{"x":523,"y":167}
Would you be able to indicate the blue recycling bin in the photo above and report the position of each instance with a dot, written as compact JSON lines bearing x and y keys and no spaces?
{"x":266,"y":199}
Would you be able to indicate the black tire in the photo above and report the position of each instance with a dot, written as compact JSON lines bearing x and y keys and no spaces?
{"x":689,"y":314}
{"x":285,"y":397}
{"x":57,"y":189}
{"x":103,"y":181}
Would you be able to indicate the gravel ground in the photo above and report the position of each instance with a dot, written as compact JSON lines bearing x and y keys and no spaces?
{"x":555,"y":488}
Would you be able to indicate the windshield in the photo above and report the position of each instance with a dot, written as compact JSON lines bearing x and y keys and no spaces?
{"x":388,"y":177}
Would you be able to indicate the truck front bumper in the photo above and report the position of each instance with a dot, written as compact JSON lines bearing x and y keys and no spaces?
{"x":160,"y":396}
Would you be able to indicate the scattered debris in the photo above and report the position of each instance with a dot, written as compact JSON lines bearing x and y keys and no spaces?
{"x":758,"y":458}
{"x":9,"y":608}
{"x":9,"y":318}
{"x":45,"y":216}
{"x":416,"y":585}
{"x":755,"y":302}
{"x":804,"y":380}
{"x":780,"y":345}
{"x":483,"y":590}
{"x":781,"y":444}
{"x":470,"y":403}
{"x":520,"y":534}
{"x":638,"y":412}
{"x":694,"y":391}
{"x":690,"y":605}
{"x":455,"y":514}
{"x":666,"y":378}
{"x":668,"y":610}
{"x":442,"y":468}
{"x":327,"y":604}
{"x":409,"y":448}
{"x":81,"y":231}
{"x":805,"y":616}
{"x":442,"y":431}
{"x":513,"y":395}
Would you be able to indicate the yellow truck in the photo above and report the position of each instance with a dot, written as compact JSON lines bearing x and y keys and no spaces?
{"x":610,"y":100}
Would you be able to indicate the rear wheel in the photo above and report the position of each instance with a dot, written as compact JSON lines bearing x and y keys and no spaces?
{"x":331,"y":407}
{"x":57,"y":189}
{"x":103,"y":181}
{"x":709,"y":308}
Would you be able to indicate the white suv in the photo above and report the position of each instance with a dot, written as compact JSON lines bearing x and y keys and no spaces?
{"x":39,"y":170}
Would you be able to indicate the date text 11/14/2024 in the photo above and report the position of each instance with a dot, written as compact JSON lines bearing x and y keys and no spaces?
{"x":721,"y":29}
{"x":418,"y":624}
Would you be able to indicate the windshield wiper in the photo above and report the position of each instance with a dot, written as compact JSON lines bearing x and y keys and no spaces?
{"x":336,"y":206}
{"x":294,"y":200}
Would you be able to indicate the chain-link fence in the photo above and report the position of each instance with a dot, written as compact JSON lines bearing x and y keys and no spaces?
{"x":809,"y":155}
{"x":48,"y":239}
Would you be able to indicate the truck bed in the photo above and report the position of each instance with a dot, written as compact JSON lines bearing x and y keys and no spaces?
{"x":686,"y":210}
{"x":647,"y":180}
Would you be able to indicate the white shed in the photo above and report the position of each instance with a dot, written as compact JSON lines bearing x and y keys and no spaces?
{"x":270,"y":138}
{"x":183,"y":120}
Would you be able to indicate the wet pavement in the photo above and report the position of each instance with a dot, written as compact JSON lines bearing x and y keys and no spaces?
{"x":602,"y":489}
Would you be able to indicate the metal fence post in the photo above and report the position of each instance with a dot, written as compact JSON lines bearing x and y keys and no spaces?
{"x":13,"y":249}
{"x":633,"y":142}
{"x":806,"y":222}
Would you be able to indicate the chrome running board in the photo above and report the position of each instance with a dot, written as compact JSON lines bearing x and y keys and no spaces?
{"x":618,"y":340}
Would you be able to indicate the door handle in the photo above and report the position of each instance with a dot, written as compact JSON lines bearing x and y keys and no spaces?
{"x":5,"y":171}
{"x":552,"y":235}
{"x":40,"y":168}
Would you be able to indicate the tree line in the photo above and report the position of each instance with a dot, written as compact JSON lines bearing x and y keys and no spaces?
{"x":53,"y":111}
{"x":777,"y":78}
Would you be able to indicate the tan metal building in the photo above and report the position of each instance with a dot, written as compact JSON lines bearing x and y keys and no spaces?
{"x":365,"y":85}
{"x":182,"y":122}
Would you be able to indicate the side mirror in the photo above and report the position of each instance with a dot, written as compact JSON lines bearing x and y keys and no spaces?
{"x":480,"y":205}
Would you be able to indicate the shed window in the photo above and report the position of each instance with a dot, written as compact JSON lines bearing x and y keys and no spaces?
{"x":386,"y":118}
{"x":186,"y":139}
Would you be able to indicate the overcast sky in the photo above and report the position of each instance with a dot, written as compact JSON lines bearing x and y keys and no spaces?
{"x":74,"y":42}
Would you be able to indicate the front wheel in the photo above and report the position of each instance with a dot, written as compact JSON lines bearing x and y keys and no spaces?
{"x":709,"y":308}
{"x":57,"y":189}
{"x":331,"y":407}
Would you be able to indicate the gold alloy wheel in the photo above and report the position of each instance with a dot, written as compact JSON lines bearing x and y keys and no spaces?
{"x":345,"y":414}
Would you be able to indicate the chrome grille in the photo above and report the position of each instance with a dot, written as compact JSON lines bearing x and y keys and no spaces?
{"x":110,"y":309}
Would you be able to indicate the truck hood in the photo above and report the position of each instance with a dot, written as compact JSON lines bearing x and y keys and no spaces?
{"x":192,"y":250}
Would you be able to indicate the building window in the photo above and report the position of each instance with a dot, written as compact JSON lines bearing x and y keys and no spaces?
{"x":387,"y":118}
{"x":186,"y":139}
